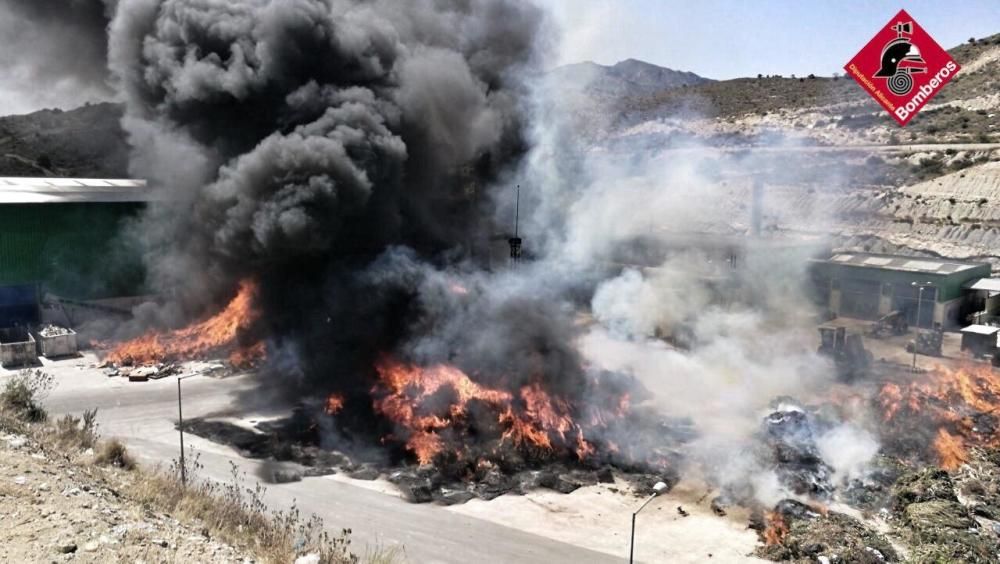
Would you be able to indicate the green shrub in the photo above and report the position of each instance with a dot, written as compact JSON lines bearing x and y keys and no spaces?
{"x":24,"y":392}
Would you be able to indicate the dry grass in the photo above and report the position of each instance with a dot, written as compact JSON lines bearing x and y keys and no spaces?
{"x":236,"y":513}
{"x":113,"y":453}
{"x":233,"y":512}
{"x":384,"y":554}
{"x":73,"y":432}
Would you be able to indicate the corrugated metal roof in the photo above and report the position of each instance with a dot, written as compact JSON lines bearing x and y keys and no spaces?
{"x":986,"y":284}
{"x":980,"y":329}
{"x":910,"y":264}
{"x":16,"y":190}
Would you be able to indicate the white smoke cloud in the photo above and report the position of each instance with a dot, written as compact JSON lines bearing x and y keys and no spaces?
{"x":715,"y":323}
{"x":849,"y":449}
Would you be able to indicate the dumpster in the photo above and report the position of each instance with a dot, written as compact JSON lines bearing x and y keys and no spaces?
{"x":17,"y":347}
{"x":55,"y":341}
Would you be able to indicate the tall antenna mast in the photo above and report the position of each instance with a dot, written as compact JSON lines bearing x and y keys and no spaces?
{"x":515,"y":241}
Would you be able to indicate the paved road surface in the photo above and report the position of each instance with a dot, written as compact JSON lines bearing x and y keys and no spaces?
{"x":143,"y":414}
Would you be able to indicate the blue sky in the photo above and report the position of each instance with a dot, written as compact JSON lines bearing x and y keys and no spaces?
{"x":728,"y":38}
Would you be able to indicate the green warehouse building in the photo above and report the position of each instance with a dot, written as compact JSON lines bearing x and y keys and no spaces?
{"x":63,"y":237}
{"x":867,"y":286}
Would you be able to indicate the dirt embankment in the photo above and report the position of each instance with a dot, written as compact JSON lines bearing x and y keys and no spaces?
{"x":54,"y":510}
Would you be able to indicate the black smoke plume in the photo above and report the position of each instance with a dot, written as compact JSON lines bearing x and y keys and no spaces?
{"x":342,"y":154}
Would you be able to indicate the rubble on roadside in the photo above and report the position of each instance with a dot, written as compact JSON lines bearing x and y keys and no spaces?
{"x":145,"y":372}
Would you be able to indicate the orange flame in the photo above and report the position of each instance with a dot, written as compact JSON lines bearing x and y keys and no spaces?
{"x":406,"y":388}
{"x":776,"y":530}
{"x":533,"y":418}
{"x":334,"y":404}
{"x":950,"y":449}
{"x":948,"y":399}
{"x":216,"y":334}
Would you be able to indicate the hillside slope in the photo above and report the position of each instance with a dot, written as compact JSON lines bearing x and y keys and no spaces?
{"x":627,"y":78}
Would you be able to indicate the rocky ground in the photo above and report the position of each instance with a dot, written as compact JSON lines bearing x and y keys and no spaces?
{"x":68,"y":494}
{"x":55,"y":510}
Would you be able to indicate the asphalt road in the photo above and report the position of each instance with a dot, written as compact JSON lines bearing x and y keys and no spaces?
{"x":144,"y":414}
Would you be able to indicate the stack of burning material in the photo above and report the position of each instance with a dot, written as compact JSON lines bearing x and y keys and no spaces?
{"x":940,"y":415}
{"x":796,"y":531}
{"x":495,"y":440}
{"x":229,"y":334}
{"x":446,"y":438}
{"x":792,"y":451}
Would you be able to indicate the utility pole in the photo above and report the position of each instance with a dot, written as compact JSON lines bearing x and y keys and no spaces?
{"x":515,"y":241}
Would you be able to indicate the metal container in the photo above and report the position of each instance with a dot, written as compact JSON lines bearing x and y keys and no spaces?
{"x":57,"y":345}
{"x":17,"y":348}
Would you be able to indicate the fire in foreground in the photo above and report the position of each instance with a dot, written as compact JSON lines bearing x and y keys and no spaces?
{"x":222,"y":333}
{"x":440,"y":411}
{"x":960,"y":407}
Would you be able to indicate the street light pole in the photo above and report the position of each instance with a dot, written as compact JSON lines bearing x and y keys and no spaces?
{"x":920,"y":301}
{"x":180,"y":428}
{"x":658,"y":488}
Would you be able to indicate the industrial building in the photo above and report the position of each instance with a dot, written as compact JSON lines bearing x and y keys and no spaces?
{"x":61,"y":236}
{"x":868,"y":286}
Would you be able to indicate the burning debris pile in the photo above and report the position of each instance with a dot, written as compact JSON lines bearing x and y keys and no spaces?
{"x":511,"y":441}
{"x":438,"y":408}
{"x":361,"y":201}
{"x":457,"y":451}
{"x":938,"y":416}
{"x":230,"y":332}
{"x":799,"y":532}
{"x":934,"y":486}
{"x":793,"y":453}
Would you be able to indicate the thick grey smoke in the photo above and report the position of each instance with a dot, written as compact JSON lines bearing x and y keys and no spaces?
{"x":357,"y":159}
{"x":54,"y":53}
{"x":659,"y":224}
{"x":342,"y":154}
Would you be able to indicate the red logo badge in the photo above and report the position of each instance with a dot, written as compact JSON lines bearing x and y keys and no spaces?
{"x":902,"y":67}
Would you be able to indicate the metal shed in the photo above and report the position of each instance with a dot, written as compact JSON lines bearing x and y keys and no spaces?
{"x":62,"y":235}
{"x":866,"y":286}
{"x":980,"y":339}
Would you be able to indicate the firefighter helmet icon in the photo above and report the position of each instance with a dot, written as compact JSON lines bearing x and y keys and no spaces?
{"x":900,"y":60}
